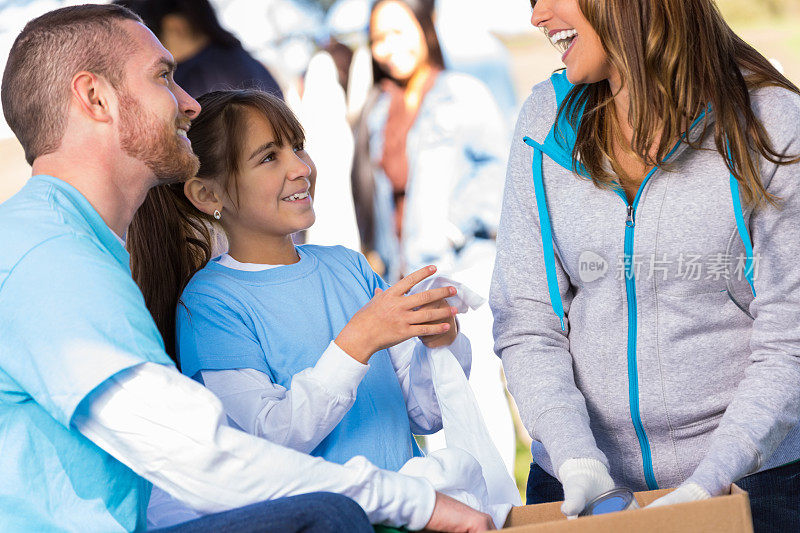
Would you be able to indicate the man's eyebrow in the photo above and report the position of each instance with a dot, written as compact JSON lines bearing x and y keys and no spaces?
{"x":261,"y":148}
{"x":163,"y":62}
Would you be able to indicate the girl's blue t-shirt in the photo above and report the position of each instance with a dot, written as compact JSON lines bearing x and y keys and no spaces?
{"x":280,"y":321}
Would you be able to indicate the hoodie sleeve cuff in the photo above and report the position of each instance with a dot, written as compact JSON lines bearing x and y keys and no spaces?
{"x":565,"y":434}
{"x":728,"y":458}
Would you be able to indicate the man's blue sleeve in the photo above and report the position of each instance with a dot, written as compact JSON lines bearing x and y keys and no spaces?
{"x":70,"y":318}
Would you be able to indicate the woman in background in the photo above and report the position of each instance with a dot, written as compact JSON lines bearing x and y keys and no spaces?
{"x":428,"y":179}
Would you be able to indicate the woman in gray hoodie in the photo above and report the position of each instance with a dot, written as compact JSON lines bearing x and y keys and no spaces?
{"x":646,"y":291}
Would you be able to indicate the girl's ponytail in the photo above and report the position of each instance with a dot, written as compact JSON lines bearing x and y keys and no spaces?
{"x":169,"y":241}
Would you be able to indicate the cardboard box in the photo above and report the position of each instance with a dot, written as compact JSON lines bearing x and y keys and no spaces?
{"x":723,"y":514}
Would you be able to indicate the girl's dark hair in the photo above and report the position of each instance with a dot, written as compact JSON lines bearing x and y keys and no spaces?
{"x":423,"y":12}
{"x":199,"y":13}
{"x":169,"y":239}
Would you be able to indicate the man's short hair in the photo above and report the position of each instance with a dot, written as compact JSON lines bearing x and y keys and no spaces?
{"x":48,"y":52}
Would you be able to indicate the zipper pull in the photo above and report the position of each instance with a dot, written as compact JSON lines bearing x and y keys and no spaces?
{"x":629,"y":221}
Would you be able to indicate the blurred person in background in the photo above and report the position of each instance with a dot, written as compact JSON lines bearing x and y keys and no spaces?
{"x":209,"y":56}
{"x":469,"y":47}
{"x":323,"y":112}
{"x":428,"y":179}
{"x":342,"y":57}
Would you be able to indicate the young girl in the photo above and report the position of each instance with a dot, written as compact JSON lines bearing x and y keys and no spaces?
{"x":252,"y":323}
{"x":646,"y":294}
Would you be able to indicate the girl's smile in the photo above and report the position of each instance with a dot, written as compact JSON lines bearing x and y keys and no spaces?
{"x":301,"y":196}
{"x":271,"y":196}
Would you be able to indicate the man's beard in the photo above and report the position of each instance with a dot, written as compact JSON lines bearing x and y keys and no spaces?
{"x":155,"y":142}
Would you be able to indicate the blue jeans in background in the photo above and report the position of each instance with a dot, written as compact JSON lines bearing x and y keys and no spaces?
{"x":318,"y":512}
{"x":774,"y":498}
{"x":542,"y":487}
{"x":774,"y":495}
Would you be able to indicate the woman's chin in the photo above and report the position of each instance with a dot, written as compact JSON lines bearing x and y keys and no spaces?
{"x":578,"y":76}
{"x":575,"y":76}
{"x":401,"y":73}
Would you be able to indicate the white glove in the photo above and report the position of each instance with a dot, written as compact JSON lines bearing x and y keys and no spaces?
{"x":583,"y":480}
{"x":688,"y":492}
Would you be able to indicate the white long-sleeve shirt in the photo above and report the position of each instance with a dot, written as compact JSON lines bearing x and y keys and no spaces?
{"x":172,"y":431}
{"x":302,"y":416}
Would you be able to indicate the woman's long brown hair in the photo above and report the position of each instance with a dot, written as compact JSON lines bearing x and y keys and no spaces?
{"x":676,"y":58}
{"x":169,"y":239}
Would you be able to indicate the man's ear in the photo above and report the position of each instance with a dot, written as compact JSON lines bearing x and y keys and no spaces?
{"x":203,"y":195}
{"x":92,"y":94}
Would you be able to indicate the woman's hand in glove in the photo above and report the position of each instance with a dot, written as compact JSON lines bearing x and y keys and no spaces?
{"x":688,"y":492}
{"x":583,"y":480}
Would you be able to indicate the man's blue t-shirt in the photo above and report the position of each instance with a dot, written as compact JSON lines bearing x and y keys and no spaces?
{"x":70,"y":318}
{"x":280,"y":321}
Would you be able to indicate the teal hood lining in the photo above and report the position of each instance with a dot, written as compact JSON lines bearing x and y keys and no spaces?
{"x":558,"y":146}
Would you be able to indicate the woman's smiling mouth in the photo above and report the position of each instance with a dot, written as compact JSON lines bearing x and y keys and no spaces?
{"x":563,"y":40}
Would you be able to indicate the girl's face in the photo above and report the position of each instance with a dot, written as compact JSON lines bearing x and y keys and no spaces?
{"x":398,"y":44}
{"x":275,"y":185}
{"x":566,"y":27}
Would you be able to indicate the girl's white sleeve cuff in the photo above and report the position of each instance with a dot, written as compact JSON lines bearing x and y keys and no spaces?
{"x":337,"y":372}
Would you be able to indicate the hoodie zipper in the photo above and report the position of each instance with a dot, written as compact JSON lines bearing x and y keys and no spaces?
{"x":633,"y":370}
{"x":630,"y":289}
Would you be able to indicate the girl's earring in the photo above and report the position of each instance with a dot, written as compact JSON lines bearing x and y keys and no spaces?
{"x":217,"y":214}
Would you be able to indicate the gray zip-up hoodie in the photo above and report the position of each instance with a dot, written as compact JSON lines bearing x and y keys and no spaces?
{"x":630,"y":333}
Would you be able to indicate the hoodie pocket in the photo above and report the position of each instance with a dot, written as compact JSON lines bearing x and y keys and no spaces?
{"x":697,"y":428}
{"x":691,"y":442}
{"x":738,"y":304}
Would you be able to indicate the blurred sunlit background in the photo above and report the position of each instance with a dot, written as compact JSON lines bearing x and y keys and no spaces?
{"x":491,"y":40}
{"x":283,"y":34}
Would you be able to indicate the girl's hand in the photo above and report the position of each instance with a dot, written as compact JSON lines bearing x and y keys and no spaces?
{"x":391,"y":317}
{"x":441,"y":339}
